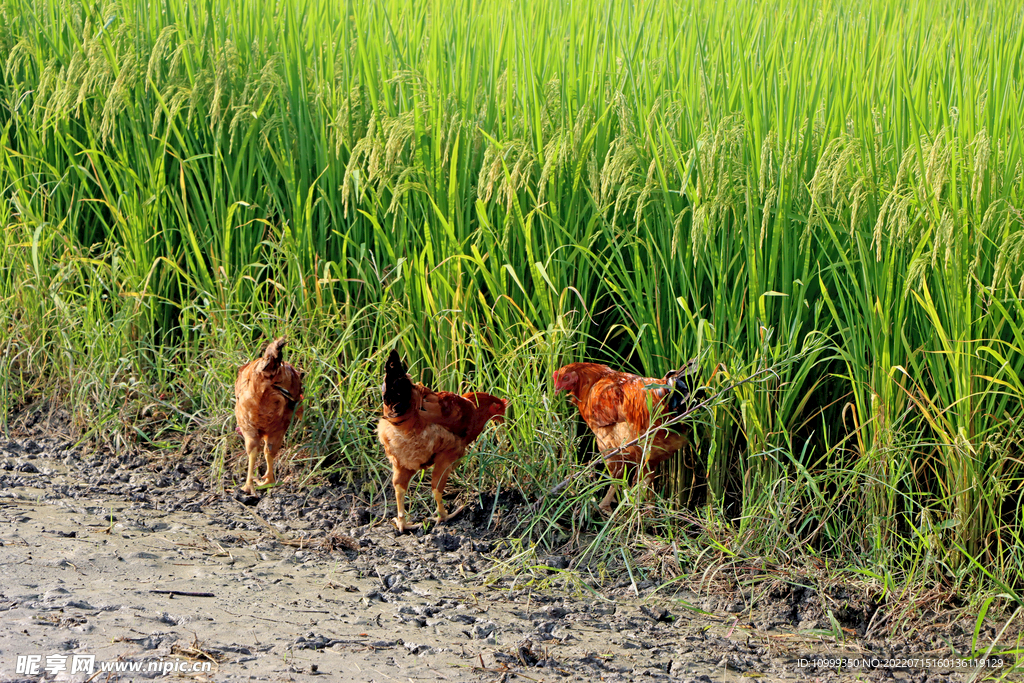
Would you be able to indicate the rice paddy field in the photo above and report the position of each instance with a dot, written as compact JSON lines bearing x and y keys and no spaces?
{"x":823,"y":197}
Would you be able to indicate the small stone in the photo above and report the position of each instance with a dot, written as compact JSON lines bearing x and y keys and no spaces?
{"x":556,"y":561}
{"x":658,"y":614}
{"x":560,"y":633}
{"x":482,"y":631}
{"x":447,"y":542}
{"x":360,"y":516}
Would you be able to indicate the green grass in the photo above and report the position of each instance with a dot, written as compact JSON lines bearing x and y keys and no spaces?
{"x":501,"y":189}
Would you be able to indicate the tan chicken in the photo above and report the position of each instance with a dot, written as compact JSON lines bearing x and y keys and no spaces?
{"x":421,"y":428}
{"x":268,"y":396}
{"x":617,"y":406}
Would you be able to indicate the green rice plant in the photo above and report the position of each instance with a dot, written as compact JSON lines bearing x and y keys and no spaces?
{"x":499,"y":190}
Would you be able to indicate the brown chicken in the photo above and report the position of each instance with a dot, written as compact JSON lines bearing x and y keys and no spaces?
{"x":617,"y":406}
{"x":421,"y":428}
{"x":268,"y":395}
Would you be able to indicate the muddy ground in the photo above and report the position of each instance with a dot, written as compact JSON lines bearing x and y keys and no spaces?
{"x":135,"y":558}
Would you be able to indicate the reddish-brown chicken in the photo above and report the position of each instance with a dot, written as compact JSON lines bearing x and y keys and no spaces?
{"x":617,"y":406}
{"x":268,"y":395}
{"x":421,"y":428}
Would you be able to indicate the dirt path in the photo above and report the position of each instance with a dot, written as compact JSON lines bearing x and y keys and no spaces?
{"x":135,"y":561}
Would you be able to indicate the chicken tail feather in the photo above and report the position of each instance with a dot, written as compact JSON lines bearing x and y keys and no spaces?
{"x":397,"y":388}
{"x":272,"y":357}
{"x":684,"y":392}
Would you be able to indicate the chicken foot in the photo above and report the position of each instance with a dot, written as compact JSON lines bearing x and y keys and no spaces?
{"x":270,"y":451}
{"x":605,"y":506}
{"x":442,"y":514}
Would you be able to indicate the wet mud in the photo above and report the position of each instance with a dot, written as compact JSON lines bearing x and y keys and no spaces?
{"x":133,"y":558}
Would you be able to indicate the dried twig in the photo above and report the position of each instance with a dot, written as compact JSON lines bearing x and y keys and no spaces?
{"x":187,"y":594}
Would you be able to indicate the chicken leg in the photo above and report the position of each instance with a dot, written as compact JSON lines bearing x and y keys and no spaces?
{"x":646,"y":475}
{"x":616,"y":466}
{"x":400,"y":481}
{"x":438,"y":481}
{"x":270,"y":450}
{"x":252,"y":445}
